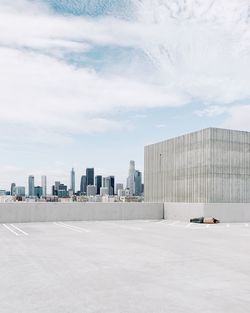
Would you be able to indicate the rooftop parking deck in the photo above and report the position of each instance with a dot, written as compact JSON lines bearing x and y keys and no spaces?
{"x":124,"y":267}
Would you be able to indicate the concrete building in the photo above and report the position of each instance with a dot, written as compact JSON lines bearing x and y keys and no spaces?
{"x":207,"y":168}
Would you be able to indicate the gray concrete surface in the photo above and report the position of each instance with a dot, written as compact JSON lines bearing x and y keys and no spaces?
{"x":225,"y":212}
{"x":124,"y":267}
{"x":77,"y":211}
{"x":208,"y":166}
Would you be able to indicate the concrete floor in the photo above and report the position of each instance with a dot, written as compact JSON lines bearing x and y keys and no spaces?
{"x":124,"y":267}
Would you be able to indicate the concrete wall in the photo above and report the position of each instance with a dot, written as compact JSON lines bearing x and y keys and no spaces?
{"x":47,"y":212}
{"x":225,"y":212}
{"x":211,"y":165}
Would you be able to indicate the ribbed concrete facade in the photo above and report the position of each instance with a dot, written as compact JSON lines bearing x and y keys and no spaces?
{"x":207,"y":166}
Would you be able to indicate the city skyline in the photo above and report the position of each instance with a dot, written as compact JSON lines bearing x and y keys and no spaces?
{"x":73,"y":179}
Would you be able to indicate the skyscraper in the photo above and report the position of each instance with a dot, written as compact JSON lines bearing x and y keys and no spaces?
{"x":90,"y":176}
{"x":112,"y":185}
{"x":138,"y":183}
{"x":98,"y":183}
{"x":44,"y":185}
{"x":73,"y":180}
{"x":131,"y":178}
{"x":13,"y":189}
{"x":31,"y":186}
{"x":83,"y":184}
{"x":109,"y":182}
{"x":38,"y":191}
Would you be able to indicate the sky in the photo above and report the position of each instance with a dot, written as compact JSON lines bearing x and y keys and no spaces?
{"x":89,"y":83}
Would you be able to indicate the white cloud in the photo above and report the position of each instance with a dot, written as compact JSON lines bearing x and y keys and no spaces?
{"x":238,"y":118}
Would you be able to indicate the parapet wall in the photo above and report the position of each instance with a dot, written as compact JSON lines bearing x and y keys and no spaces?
{"x":225,"y":212}
{"x":77,"y":211}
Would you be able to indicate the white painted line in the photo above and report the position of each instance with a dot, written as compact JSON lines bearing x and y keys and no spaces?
{"x":246,"y":225}
{"x":11,"y":230}
{"x":207,"y":226}
{"x":76,"y":227}
{"x":188,"y":225}
{"x":79,"y":231}
{"x":26,"y":234}
{"x":228,"y":225}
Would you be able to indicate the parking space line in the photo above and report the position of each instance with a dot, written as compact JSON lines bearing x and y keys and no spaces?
{"x":20,"y":230}
{"x":11,"y":230}
{"x":67,"y":227}
{"x":76,"y":227}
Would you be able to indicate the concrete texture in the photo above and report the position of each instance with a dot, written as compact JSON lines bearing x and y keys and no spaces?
{"x":124,"y":267}
{"x":77,"y":211}
{"x":207,"y":166}
{"x":225,"y":212}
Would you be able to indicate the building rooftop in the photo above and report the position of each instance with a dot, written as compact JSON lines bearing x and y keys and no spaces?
{"x":124,"y":267}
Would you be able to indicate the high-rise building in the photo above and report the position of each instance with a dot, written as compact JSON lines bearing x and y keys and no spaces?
{"x":138,"y":183}
{"x":44,"y":185}
{"x":55,"y":188}
{"x":112,"y":185}
{"x":90,"y":176}
{"x":108,"y":182}
{"x":104,"y":191}
{"x":131,"y":178}
{"x":20,"y":191}
{"x":38,"y":191}
{"x":31,"y":186}
{"x":118,"y":187}
{"x":13,"y":189}
{"x":73,"y":180}
{"x":91,"y":190}
{"x":98,"y":183}
{"x":83,"y":184}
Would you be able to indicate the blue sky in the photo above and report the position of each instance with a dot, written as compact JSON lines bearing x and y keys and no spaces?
{"x":90,"y":82}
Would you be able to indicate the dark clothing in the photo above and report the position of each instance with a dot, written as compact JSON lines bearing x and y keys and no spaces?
{"x":197,"y":220}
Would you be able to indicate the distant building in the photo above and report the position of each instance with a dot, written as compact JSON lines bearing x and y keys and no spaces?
{"x":118,"y":187}
{"x":90,"y":176}
{"x":62,"y":191}
{"x":91,"y":190}
{"x":131,"y":178}
{"x":121,"y":193}
{"x":104,"y":191}
{"x":20,"y":191}
{"x":98,"y":183}
{"x":13,"y":189}
{"x":73,"y":180}
{"x":83,"y":184}
{"x":31,"y":184}
{"x":38,"y":191}
{"x":109,"y":182}
{"x":44,"y":185}
{"x":138,"y":183}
